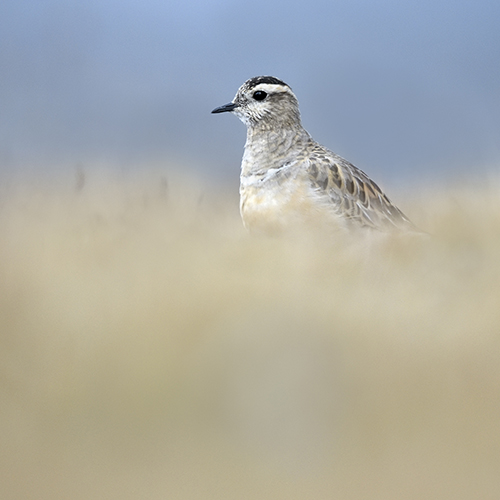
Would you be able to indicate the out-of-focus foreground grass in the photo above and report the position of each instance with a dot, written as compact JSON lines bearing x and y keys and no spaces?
{"x":151,"y":349}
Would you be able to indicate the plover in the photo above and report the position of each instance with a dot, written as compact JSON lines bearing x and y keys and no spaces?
{"x":287,"y":177}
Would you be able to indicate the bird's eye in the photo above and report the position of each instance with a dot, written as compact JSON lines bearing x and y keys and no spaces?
{"x":259,"y":95}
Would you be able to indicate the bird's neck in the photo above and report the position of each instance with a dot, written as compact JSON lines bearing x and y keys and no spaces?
{"x":272,"y":148}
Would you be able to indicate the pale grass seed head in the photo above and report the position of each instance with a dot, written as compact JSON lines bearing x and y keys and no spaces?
{"x":150,"y":348}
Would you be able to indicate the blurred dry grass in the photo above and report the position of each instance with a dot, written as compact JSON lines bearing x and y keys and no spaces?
{"x":150,"y":348}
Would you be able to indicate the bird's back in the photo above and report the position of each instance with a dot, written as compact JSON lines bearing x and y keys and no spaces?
{"x":351,"y":193}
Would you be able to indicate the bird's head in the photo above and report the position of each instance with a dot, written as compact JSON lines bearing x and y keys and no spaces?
{"x":264,"y":102}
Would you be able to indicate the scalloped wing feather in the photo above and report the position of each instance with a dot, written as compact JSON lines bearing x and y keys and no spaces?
{"x":352,"y":194}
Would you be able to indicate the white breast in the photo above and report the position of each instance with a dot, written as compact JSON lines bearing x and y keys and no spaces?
{"x":276,"y":199}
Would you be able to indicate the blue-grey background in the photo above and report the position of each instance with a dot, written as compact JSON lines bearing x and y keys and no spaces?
{"x":404,"y":89}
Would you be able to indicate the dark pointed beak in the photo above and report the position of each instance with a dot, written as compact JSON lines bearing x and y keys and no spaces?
{"x":227,"y":107}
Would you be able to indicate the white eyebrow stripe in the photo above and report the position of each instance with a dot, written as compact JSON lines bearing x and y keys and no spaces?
{"x":270,"y":88}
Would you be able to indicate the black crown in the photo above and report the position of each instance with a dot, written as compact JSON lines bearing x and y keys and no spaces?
{"x":265,"y":79}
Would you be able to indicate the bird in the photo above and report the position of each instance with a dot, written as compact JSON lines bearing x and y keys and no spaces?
{"x":287,"y":178}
